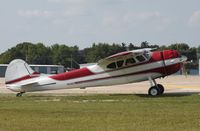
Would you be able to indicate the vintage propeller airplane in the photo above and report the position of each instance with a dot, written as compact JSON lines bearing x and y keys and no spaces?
{"x":125,"y":67}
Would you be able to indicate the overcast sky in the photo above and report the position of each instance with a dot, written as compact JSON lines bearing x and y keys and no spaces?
{"x":83,"y":22}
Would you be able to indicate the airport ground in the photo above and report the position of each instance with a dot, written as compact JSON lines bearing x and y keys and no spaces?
{"x":114,"y":108}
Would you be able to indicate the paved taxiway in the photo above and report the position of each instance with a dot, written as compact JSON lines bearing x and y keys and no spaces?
{"x":172,"y":84}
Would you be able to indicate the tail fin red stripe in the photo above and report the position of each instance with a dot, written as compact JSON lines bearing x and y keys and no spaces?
{"x":22,"y":78}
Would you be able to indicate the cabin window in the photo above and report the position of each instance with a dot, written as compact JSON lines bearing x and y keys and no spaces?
{"x":130,"y":61}
{"x":147,"y":55}
{"x":120,"y":63}
{"x":140,"y":58}
{"x":112,"y":65}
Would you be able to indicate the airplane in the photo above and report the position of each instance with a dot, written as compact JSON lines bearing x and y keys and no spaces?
{"x":121,"y":68}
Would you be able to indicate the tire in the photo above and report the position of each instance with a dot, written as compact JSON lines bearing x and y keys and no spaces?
{"x":19,"y":94}
{"x":161,"y":88}
{"x":154,"y":91}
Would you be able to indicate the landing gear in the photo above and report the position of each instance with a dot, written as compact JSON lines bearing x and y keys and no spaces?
{"x":156,"y":89}
{"x":19,"y":94}
{"x":161,"y":88}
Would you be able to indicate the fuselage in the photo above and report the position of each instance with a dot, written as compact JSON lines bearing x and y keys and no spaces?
{"x":121,"y":68}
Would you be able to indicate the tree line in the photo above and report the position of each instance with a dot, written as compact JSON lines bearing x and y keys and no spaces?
{"x":71,"y":56}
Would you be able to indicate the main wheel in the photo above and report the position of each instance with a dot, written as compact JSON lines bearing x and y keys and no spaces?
{"x":154,"y":91}
{"x":161,"y":88}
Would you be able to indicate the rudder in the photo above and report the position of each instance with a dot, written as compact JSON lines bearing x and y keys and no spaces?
{"x":17,"y":70}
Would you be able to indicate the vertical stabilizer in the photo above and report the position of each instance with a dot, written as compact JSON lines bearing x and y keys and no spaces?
{"x":17,"y":70}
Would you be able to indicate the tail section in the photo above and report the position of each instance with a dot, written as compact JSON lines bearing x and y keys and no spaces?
{"x":18,"y":70}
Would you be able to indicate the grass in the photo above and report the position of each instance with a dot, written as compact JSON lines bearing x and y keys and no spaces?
{"x":100,"y":113}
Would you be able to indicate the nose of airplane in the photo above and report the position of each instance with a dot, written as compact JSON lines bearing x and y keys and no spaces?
{"x":175,"y":54}
{"x":171,"y":54}
{"x":174,"y":61}
{"x":182,"y":58}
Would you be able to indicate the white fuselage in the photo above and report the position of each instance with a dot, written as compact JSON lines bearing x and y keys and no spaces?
{"x":98,"y":78}
{"x":121,"y":68}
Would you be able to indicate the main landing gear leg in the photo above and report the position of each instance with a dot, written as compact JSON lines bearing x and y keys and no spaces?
{"x":19,"y":94}
{"x":156,"y":89}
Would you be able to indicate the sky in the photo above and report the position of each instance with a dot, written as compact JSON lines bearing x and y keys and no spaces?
{"x":83,"y":22}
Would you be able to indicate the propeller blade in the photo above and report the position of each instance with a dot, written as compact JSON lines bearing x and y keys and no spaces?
{"x":183,"y":58}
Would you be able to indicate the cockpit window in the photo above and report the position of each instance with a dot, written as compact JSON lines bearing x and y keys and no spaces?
{"x":112,"y":65}
{"x":146,"y":55}
{"x":120,"y":63}
{"x":130,"y":61}
{"x":140,"y":58}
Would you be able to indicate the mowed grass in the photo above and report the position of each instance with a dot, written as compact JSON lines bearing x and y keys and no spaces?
{"x":100,"y":113}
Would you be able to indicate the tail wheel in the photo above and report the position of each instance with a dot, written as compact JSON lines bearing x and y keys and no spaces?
{"x":161,"y":88}
{"x":154,"y":91}
{"x":19,"y":94}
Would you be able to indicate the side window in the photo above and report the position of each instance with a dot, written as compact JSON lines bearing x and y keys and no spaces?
{"x":120,"y":63}
{"x":147,"y":55}
{"x":111,"y":65}
{"x":140,"y":58}
{"x":130,"y":61}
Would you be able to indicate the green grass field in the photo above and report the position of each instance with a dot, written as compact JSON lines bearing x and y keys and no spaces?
{"x":100,"y":113}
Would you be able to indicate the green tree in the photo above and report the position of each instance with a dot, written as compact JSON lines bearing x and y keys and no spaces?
{"x":198,"y":52}
{"x":18,"y":52}
{"x":144,"y":44}
{"x":179,"y":46}
{"x":101,"y":50}
{"x":42,"y":54}
{"x":64,"y":55}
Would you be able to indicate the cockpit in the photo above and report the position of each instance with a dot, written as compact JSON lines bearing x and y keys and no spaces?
{"x":128,"y":61}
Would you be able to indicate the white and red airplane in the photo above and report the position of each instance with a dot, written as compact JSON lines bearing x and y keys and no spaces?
{"x":125,"y":67}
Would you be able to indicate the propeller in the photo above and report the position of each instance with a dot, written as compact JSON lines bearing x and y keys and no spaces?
{"x":183,"y":60}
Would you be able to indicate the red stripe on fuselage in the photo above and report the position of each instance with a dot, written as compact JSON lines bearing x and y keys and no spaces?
{"x":172,"y":69}
{"x":22,"y":78}
{"x":72,"y":74}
